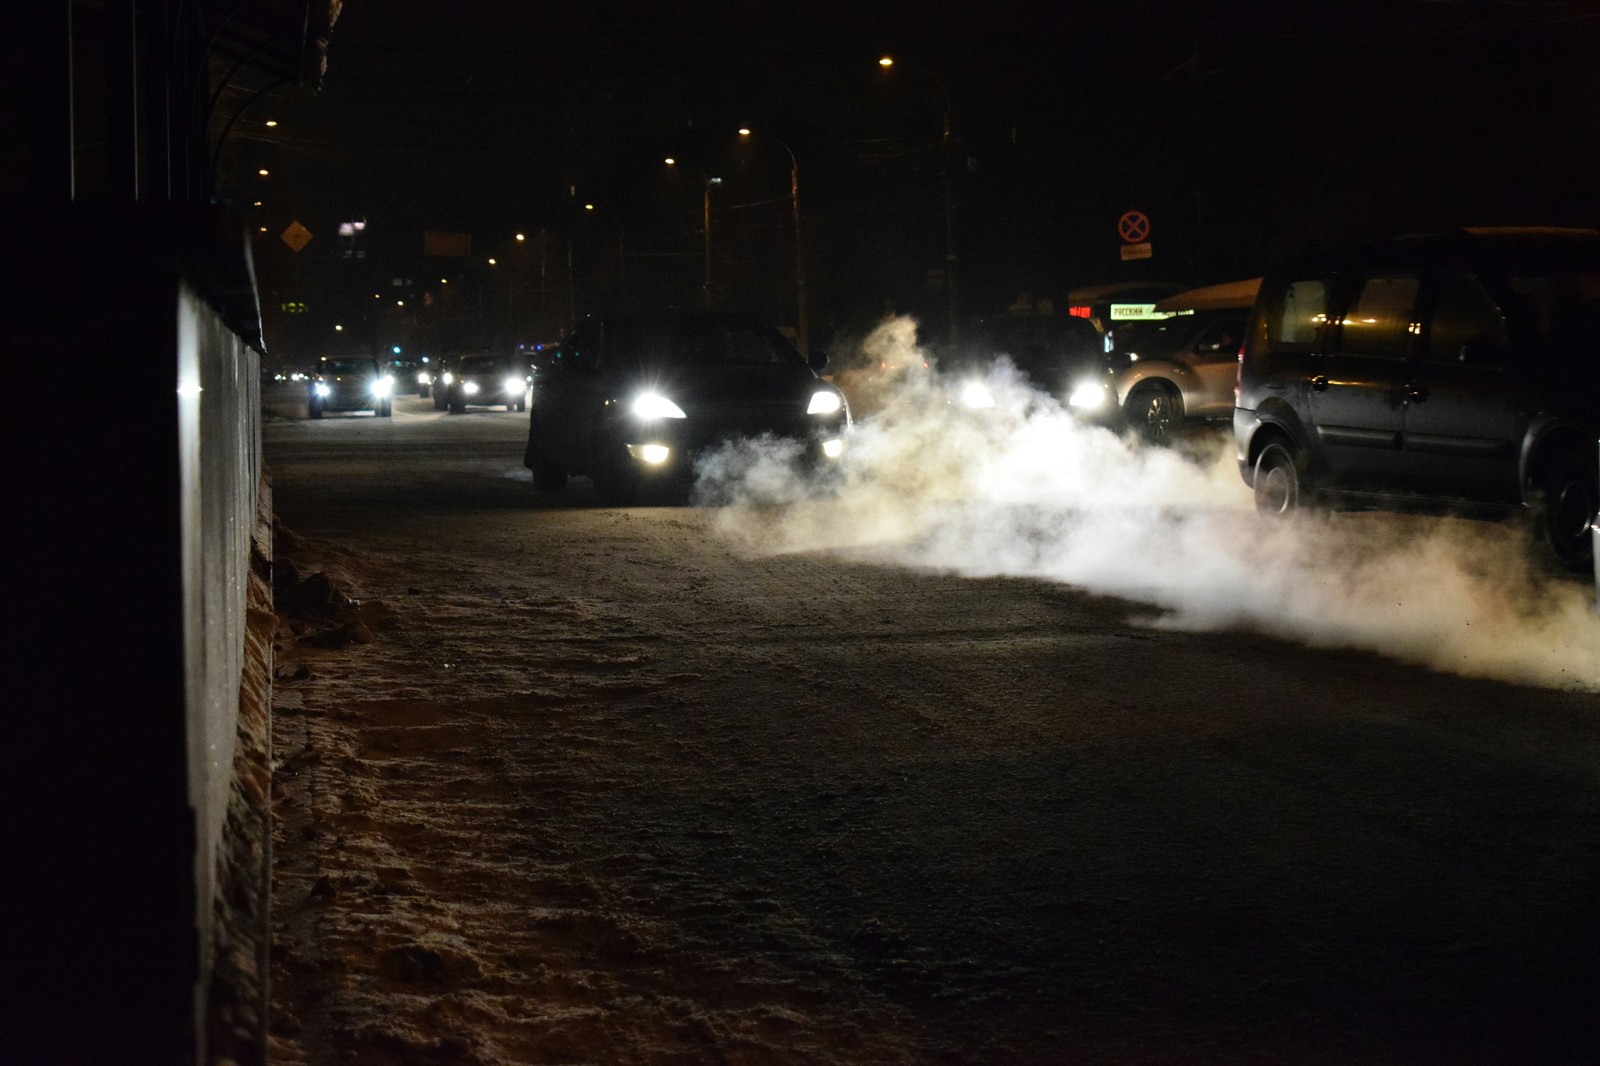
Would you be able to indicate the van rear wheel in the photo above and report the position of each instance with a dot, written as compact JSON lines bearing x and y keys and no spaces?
{"x":1279,"y":479}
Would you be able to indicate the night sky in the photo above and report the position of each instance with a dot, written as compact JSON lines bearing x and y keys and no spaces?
{"x":1242,"y":131}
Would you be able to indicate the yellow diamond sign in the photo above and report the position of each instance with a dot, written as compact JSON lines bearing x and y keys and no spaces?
{"x":296,"y":236}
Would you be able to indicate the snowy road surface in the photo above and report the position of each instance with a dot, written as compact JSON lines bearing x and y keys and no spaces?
{"x":571,"y":784}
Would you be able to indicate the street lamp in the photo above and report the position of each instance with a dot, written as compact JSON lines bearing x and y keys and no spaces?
{"x":705,"y":226}
{"x":887,"y":63}
{"x":799,"y":254}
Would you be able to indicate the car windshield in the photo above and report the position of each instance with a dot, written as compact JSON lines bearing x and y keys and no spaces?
{"x":1562,"y":310}
{"x":349,"y":366}
{"x":483,"y":364}
{"x":701,"y":342}
{"x":1151,"y":335}
{"x":1029,"y":341}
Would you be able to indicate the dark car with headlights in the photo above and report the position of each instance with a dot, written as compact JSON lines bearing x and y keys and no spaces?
{"x":632,"y":400}
{"x":349,"y":383}
{"x":479,"y":379}
{"x":1061,"y":355}
{"x":409,"y":376}
{"x":1459,"y":369}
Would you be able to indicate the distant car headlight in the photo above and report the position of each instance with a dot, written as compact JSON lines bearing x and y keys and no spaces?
{"x":655,"y":405}
{"x":422,"y":377}
{"x":975,"y":394}
{"x":824,"y":402}
{"x":516,"y":385}
{"x":470,"y":388}
{"x":321,"y":388}
{"x":383,"y":386}
{"x":1089,"y":396}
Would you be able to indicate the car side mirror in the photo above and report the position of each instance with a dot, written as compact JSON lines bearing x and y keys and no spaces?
{"x":818,"y":361}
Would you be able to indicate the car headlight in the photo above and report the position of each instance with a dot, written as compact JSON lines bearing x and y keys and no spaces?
{"x":655,"y":405}
{"x":383,"y":387}
{"x":470,"y":388}
{"x":824,"y":402}
{"x":1088,"y":396}
{"x":515,"y":385}
{"x":447,"y":377}
{"x":975,"y":394}
{"x":422,"y":377}
{"x":321,"y":388}
{"x":833,"y":448}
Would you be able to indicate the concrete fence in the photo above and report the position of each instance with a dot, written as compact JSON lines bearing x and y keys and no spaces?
{"x":136,"y":829}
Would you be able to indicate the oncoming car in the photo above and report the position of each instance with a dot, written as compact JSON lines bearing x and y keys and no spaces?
{"x":1456,"y":369}
{"x":482,"y":380}
{"x":1060,"y":355}
{"x":349,"y":383}
{"x":631,"y":400}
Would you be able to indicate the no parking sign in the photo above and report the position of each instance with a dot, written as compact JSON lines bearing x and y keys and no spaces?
{"x":1134,"y":229}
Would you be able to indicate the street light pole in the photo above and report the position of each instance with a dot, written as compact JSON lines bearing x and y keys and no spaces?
{"x":705,"y":228}
{"x":801,"y":333}
{"x":948,"y":181}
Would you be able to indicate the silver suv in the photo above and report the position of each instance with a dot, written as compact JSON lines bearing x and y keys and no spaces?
{"x":1458,"y":369}
{"x":1171,"y":370}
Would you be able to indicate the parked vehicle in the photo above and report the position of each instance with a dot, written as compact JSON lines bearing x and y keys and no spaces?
{"x":1452,"y":369}
{"x":631,"y":400}
{"x":1167,"y":371}
{"x":349,"y":383}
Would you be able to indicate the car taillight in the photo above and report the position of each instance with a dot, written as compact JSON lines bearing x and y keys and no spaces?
{"x":1238,"y":377}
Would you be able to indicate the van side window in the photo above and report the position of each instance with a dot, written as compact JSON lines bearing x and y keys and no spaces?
{"x":1381,"y":321}
{"x":1295,"y":318}
{"x":1463,"y":312}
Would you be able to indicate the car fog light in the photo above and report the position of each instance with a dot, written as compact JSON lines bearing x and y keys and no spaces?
{"x":975,"y":394}
{"x":470,"y":388}
{"x":1088,"y":396}
{"x":824,"y":402}
{"x":833,"y":448}
{"x":654,"y":454}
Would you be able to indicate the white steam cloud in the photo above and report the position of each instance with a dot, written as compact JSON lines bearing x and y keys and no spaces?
{"x":1023,"y":489}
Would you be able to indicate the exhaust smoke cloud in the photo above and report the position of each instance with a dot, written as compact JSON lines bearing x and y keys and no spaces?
{"x":1023,"y":489}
